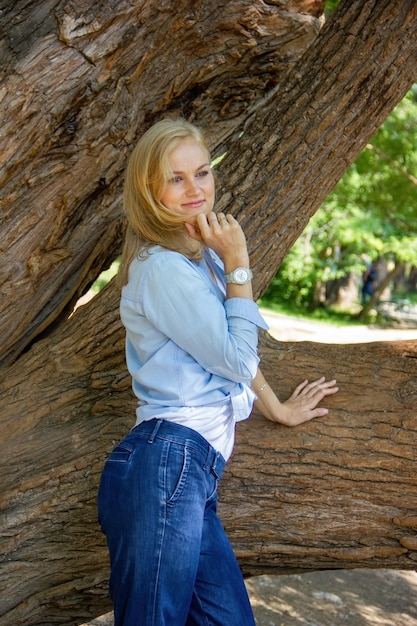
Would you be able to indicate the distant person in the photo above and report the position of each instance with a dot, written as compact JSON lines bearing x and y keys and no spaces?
{"x":369,"y":277}
{"x":191,"y":348}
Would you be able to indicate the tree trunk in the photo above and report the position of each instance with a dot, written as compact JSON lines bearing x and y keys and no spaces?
{"x":344,"y":485}
{"x":81,"y":82}
{"x":339,"y":492}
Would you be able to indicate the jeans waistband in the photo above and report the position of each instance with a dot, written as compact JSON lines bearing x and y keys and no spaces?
{"x":160,"y":428}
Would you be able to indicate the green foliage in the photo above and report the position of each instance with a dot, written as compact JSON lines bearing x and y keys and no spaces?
{"x":105,"y":277}
{"x":330,"y":6}
{"x":372,"y":210}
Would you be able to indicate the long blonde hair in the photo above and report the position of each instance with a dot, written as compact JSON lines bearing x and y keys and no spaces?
{"x":147,"y":173}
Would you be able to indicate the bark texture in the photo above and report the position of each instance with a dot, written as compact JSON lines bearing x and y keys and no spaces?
{"x":339,"y":492}
{"x":81,"y":82}
{"x":78,"y":86}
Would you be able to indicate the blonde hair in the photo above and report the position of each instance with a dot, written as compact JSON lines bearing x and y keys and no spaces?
{"x":148,"y":221}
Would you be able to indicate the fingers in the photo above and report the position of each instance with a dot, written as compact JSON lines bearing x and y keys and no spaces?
{"x":320,"y":385}
{"x":193,"y":232}
{"x":320,"y":391}
{"x":317,"y":412}
{"x":220,"y":221}
{"x":299,"y":389}
{"x":302,"y":405}
{"x":326,"y":387}
{"x":223,"y":234}
{"x":310,"y":389}
{"x":309,"y":395}
{"x":226,"y":220}
{"x":216,"y":220}
{"x":208,"y":225}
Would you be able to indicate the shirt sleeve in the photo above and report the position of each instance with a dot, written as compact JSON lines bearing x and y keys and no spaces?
{"x":180,"y":303}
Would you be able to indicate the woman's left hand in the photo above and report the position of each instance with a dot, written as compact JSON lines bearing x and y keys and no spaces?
{"x":300,"y":407}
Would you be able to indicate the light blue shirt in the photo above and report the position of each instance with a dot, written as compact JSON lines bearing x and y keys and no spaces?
{"x":186,"y":344}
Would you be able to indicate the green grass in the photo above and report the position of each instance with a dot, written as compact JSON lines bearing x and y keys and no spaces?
{"x":327,"y":315}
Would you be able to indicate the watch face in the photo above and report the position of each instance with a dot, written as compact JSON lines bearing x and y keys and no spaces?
{"x":241,"y":275}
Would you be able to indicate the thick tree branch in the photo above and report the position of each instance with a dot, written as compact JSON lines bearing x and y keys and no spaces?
{"x":339,"y":492}
{"x":65,"y":140}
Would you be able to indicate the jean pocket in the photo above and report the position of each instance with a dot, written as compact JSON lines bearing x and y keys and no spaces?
{"x":120,"y":454}
{"x":177,"y":470}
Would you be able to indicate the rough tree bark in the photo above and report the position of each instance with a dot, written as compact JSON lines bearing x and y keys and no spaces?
{"x":80,"y":83}
{"x":339,"y":492}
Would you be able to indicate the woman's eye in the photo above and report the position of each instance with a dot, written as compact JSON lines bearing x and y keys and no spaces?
{"x":202,"y":173}
{"x":175,"y":179}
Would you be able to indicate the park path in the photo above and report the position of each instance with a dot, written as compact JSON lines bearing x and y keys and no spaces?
{"x":287,"y":328}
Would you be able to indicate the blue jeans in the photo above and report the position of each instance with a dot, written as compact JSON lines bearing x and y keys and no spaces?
{"x":171,"y":562}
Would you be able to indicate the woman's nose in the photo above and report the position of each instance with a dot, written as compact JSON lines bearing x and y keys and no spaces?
{"x":192,"y":187}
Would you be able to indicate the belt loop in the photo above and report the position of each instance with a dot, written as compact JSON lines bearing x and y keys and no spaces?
{"x":155,"y":431}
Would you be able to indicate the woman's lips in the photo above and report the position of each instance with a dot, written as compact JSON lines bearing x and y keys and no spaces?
{"x":196,"y":204}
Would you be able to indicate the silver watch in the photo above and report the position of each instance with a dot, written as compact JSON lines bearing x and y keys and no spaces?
{"x":239,"y":276}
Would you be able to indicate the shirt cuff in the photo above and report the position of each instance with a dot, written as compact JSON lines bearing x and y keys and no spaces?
{"x":246,"y":309}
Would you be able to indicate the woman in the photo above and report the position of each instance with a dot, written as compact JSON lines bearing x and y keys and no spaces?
{"x":191,"y":349}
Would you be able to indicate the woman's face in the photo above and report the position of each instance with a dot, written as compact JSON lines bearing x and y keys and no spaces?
{"x":190,"y":188}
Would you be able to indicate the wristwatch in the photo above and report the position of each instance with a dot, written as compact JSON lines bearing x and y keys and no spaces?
{"x":239,"y":276}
